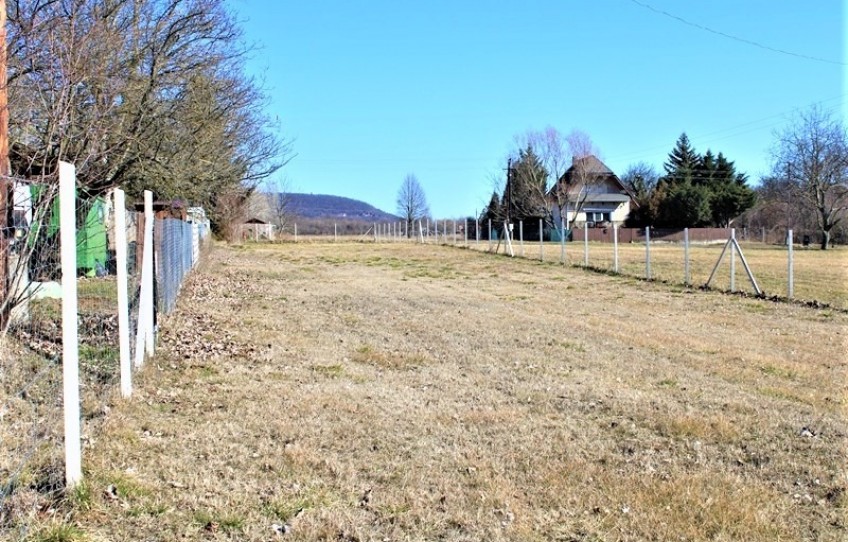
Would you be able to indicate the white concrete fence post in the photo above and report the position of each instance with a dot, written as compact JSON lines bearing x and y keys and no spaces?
{"x":648,"y":252}
{"x":790,"y":287}
{"x":490,"y":235}
{"x":123,"y":293}
{"x":615,"y":248}
{"x":541,"y":242}
{"x":70,"y":330}
{"x":562,"y":241}
{"x":733,"y":262}
{"x":686,"y":273}
{"x":147,"y":274}
{"x":521,"y":236}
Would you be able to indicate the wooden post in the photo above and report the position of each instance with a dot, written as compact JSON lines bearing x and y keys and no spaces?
{"x":6,"y":202}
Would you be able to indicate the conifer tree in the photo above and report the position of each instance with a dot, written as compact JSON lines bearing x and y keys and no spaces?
{"x":526,"y":187}
{"x":682,"y":162}
{"x":700,"y":190}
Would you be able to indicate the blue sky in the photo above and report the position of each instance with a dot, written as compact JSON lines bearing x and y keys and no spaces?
{"x":372,"y":90}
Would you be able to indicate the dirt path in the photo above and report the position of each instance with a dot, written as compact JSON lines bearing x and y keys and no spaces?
{"x":361,"y":392}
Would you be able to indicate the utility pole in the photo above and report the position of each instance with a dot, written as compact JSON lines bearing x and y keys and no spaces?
{"x":6,"y":202}
{"x":508,"y":187}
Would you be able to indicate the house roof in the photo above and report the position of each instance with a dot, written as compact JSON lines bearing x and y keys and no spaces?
{"x":591,"y":164}
{"x":595,"y":169}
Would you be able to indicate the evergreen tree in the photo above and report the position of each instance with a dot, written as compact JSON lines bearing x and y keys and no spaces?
{"x":526,"y":187}
{"x":492,"y":211}
{"x":731,"y":195}
{"x":706,"y":169}
{"x":699,"y":190}
{"x":685,"y":205}
{"x":682,"y":162}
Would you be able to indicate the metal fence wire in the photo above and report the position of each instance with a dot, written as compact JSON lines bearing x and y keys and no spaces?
{"x":174,"y":257}
{"x":32,"y":436}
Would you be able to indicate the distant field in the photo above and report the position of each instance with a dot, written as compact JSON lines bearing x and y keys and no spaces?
{"x":819,"y":275}
{"x":359,"y":391}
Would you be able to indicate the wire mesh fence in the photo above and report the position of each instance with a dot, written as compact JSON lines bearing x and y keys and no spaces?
{"x":675,"y":256}
{"x":175,"y":255}
{"x":72,"y":321}
{"x":30,"y":363}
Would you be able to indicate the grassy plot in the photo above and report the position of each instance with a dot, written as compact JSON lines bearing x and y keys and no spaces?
{"x":399,"y":392}
{"x":819,"y":275}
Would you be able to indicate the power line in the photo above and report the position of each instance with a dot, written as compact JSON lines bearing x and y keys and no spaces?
{"x":735,"y":38}
{"x":733,"y":131}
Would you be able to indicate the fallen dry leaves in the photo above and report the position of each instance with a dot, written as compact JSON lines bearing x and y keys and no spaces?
{"x":395,"y":392}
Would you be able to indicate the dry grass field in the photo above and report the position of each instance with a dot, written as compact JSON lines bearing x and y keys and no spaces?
{"x":820,"y":276}
{"x":358,"y":392}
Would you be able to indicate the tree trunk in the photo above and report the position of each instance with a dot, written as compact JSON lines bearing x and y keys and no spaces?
{"x":825,"y":239}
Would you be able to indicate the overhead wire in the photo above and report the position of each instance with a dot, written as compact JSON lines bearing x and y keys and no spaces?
{"x":645,"y":152}
{"x":734,"y":37}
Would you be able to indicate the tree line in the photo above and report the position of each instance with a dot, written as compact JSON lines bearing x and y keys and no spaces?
{"x":696,"y":190}
{"x":140,"y":94}
{"x":807,"y":189}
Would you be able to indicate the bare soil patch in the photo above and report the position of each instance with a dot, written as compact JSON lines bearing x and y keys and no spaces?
{"x":398,"y":392}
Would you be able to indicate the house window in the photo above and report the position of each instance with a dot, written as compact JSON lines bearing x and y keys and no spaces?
{"x":597,"y":217}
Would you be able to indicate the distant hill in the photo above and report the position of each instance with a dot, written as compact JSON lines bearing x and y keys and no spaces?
{"x":324,"y":206}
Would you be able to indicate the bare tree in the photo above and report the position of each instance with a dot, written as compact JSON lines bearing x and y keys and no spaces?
{"x":778,"y":207}
{"x":550,"y":147}
{"x":812,"y":155}
{"x":411,"y":202}
{"x":143,"y":94}
{"x":279,"y":203}
{"x":641,"y":180}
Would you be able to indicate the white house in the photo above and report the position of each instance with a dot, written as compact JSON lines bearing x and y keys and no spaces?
{"x":590,"y":195}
